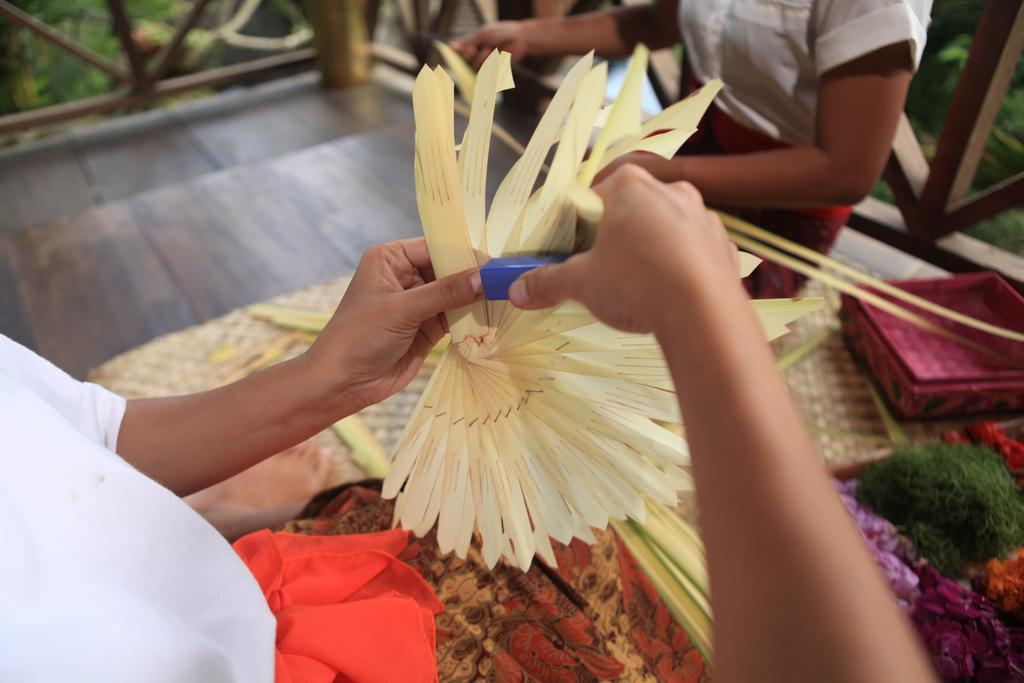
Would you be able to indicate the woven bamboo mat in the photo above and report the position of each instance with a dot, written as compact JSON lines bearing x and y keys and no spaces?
{"x":825,"y":382}
{"x":845,"y":416}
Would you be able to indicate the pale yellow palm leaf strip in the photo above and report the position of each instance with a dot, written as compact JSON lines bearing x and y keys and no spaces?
{"x":625,"y":117}
{"x":776,"y":314}
{"x":748,"y":262}
{"x":680,"y":119}
{"x":616,"y":420}
{"x":744,"y":228}
{"x":550,"y":221}
{"x":875,"y":300}
{"x":514,"y":191}
{"x":439,"y":195}
{"x":455,"y":488}
{"x":461,"y":72}
{"x":617,"y":393}
{"x":411,"y":505}
{"x":666,"y":447}
{"x":666,"y":582}
{"x":544,"y":211}
{"x":476,"y":145}
{"x":531,"y":326}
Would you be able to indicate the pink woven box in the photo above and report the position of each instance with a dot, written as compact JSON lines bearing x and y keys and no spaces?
{"x":925,"y":375}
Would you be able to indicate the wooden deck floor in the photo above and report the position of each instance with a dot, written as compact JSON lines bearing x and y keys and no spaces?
{"x":125,"y":156}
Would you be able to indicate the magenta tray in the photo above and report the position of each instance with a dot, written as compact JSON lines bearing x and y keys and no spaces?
{"x":925,"y":375}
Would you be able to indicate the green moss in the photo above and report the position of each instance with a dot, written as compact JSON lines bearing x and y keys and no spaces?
{"x":957,"y":503}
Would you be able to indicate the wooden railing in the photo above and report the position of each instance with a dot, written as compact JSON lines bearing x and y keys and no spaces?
{"x":932,"y":200}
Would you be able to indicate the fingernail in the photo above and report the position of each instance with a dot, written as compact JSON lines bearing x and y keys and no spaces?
{"x":517,"y":293}
{"x":476,"y":283}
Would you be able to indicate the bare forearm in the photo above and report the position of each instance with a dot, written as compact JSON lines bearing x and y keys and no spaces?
{"x":611,"y":33}
{"x":190,"y":442}
{"x":574,"y":35}
{"x":796,"y":597}
{"x":792,"y":177}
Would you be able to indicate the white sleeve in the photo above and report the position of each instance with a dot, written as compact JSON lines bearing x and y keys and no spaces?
{"x":93,"y":410}
{"x":848,"y":29}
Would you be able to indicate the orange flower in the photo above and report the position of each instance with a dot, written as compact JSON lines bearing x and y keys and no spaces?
{"x":1004,"y":583}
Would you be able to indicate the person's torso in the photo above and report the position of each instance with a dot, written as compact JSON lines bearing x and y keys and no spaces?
{"x":772,"y":54}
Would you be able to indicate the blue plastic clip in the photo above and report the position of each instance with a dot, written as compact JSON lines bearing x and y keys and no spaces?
{"x":498,"y":274}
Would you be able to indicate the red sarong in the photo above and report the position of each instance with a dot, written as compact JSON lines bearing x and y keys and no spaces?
{"x":346,"y":608}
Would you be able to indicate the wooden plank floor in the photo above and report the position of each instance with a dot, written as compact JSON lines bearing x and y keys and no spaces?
{"x":124,"y":156}
{"x":85,"y":286}
{"x":42,"y":181}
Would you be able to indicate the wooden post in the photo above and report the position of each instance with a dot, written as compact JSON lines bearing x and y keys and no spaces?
{"x":123,"y":29}
{"x":995,"y":49}
{"x":342,"y":46}
{"x":372,"y":14}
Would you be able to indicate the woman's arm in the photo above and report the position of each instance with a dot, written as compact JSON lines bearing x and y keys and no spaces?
{"x":388,"y":321}
{"x":610,"y":33}
{"x":859,"y":106}
{"x":795,"y":594}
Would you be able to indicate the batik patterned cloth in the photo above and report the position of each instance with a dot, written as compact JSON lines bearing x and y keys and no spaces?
{"x":594,"y":617}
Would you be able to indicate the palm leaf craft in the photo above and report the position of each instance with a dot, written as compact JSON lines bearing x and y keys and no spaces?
{"x":538,"y":425}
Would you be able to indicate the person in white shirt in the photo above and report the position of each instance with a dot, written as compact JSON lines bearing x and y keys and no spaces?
{"x":803,"y":126}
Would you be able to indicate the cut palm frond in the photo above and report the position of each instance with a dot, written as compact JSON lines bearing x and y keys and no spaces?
{"x":366,"y":450}
{"x":686,"y":599}
{"x":537,"y":425}
{"x":870,"y":297}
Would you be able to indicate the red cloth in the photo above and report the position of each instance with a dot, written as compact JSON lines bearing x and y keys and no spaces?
{"x":347,"y":609}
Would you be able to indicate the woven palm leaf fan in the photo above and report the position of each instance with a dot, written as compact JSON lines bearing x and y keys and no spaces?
{"x":540,"y":424}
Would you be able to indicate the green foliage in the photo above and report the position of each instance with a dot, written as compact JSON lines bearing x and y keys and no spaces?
{"x":958,"y":504}
{"x":949,"y":42}
{"x":1005,"y":230}
{"x":34,"y":73}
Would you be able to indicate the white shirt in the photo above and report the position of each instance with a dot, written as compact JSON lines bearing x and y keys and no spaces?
{"x":771,"y":53}
{"x":106,"y":575}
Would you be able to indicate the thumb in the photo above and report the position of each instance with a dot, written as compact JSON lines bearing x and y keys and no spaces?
{"x":444,"y":294}
{"x":546,"y":286}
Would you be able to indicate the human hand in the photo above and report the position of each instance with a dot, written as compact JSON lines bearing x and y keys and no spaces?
{"x":503,"y":35}
{"x":658,"y":253}
{"x":390,"y":318}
